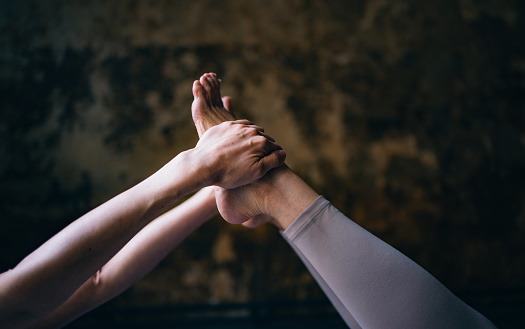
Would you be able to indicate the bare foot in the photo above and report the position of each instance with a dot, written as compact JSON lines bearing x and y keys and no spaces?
{"x":278,"y":197}
{"x":208,"y":108}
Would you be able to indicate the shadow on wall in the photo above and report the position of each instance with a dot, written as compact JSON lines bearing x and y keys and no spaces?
{"x":408,"y":116}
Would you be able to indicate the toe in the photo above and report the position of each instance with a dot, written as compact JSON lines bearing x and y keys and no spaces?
{"x":226,"y":101}
{"x":207,"y":86}
{"x":216,"y":90}
{"x":212,"y":79}
{"x":198,"y":90}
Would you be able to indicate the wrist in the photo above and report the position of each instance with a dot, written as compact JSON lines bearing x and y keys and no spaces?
{"x":197,"y":163}
{"x":183,"y":175}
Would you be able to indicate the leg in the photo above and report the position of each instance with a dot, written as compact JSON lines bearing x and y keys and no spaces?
{"x":378,"y":286}
{"x":332,"y":296}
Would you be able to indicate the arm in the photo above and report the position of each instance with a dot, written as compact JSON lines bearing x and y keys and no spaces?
{"x":51,"y":274}
{"x":137,"y":258}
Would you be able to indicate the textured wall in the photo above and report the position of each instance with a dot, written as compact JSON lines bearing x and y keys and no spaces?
{"x":407,"y":115}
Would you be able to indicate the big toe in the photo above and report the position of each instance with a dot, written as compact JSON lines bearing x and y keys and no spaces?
{"x":198,"y":89}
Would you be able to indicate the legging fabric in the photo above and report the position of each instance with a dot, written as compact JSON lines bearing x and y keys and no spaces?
{"x":371,"y":284}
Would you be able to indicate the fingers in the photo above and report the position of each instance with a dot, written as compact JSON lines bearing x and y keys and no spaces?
{"x":247,"y":124}
{"x":242,"y":122}
{"x":273,"y":160}
{"x":250,"y":129}
{"x":259,"y":131}
{"x":255,"y":130}
{"x":267,"y":136}
{"x":270,"y":146}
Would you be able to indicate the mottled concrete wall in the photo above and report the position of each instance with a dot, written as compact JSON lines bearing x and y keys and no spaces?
{"x":407,"y":115}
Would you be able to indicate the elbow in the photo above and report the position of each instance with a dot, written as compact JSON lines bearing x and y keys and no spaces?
{"x":95,"y":287}
{"x":96,"y":279}
{"x":102,"y":286}
{"x":92,"y":288}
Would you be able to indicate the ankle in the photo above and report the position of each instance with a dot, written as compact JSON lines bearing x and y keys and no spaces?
{"x":288,"y":197}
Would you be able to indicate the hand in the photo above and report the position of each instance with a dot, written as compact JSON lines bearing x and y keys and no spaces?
{"x":236,"y":153}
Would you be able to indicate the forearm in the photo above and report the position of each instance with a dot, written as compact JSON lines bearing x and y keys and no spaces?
{"x":229,"y":155}
{"x":38,"y":284}
{"x":137,"y":258}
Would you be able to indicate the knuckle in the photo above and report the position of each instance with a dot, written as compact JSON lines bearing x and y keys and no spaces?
{"x":265,"y":141}
{"x":249,"y":131}
{"x":259,"y":141}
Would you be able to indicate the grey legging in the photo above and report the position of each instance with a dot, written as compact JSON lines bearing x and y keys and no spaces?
{"x":371,"y":284}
